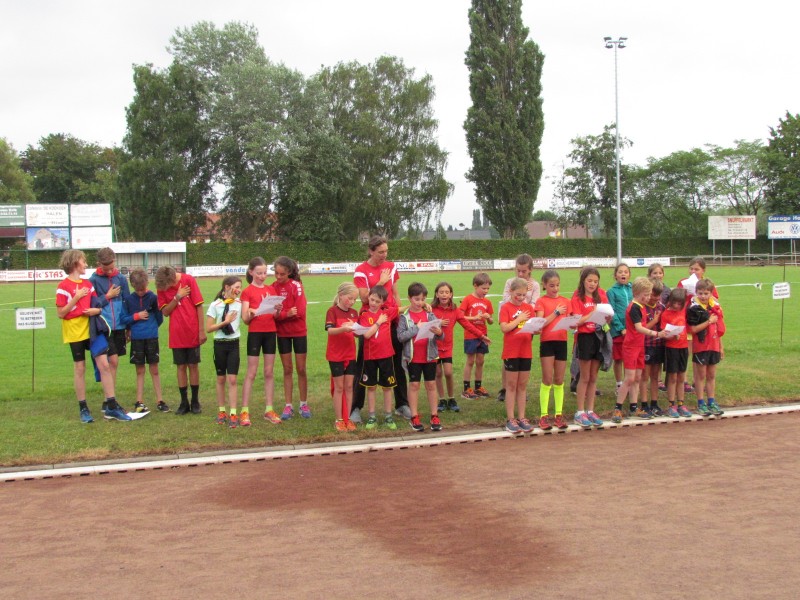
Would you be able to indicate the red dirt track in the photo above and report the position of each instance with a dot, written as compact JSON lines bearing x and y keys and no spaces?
{"x":689,"y":510}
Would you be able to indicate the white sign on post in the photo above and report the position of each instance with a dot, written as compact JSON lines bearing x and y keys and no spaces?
{"x":781,"y":291}
{"x":740,"y":227}
{"x":31,"y":318}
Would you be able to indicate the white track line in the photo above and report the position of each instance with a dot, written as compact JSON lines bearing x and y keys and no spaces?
{"x":412,"y":441}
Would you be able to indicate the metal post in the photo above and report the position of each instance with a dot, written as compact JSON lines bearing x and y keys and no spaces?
{"x":617,"y":44}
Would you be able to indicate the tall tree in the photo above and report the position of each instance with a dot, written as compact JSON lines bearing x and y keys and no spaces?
{"x":15,"y":184}
{"x":385,"y":118}
{"x":739,"y":179}
{"x":782,"y":166}
{"x":476,"y":219}
{"x":505,"y":123}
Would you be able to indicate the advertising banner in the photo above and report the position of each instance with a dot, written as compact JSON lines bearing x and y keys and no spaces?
{"x":730,"y":227}
{"x":783,"y":227}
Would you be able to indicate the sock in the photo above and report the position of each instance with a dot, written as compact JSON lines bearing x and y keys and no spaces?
{"x":371,"y":413}
{"x":558,"y":396}
{"x":82,"y":404}
{"x":618,"y":406}
{"x":112,"y":403}
{"x":653,"y":404}
{"x":387,"y":415}
{"x":289,"y":404}
{"x":544,"y":398}
{"x":184,"y":397}
{"x":233,"y":412}
{"x":195,"y":390}
{"x":680,"y":402}
{"x":304,"y":403}
{"x":451,"y":400}
{"x":711,"y":399}
{"x":478,"y":383}
{"x":221,"y":409}
{"x":700,"y":401}
{"x":466,"y":385}
{"x":672,"y":402}
{"x":634,"y":407}
{"x":268,"y":408}
{"x":245,"y":409}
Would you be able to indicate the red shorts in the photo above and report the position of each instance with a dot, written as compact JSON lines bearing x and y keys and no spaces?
{"x":616,"y":349}
{"x":633,"y":357}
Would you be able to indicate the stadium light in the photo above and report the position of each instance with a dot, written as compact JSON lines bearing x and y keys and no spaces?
{"x":617,"y":44}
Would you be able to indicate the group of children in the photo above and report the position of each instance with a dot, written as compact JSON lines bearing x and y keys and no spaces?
{"x":651,"y":329}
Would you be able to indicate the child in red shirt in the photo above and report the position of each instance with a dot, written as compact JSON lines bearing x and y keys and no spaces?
{"x":341,"y":352}
{"x":676,"y":352}
{"x":705,"y":320}
{"x":478,"y":310}
{"x":444,"y":309}
{"x":517,"y":355}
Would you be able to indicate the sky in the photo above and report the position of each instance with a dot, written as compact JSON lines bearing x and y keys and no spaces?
{"x":693,"y":72}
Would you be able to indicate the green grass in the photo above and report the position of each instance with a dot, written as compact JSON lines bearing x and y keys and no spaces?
{"x":42,"y":426}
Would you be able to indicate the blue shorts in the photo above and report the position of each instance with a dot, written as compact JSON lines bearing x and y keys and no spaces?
{"x":475,"y":346}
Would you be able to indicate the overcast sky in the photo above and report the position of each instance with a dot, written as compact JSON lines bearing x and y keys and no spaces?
{"x":694,"y":72}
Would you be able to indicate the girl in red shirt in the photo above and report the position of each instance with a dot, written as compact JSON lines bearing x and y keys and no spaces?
{"x":517,"y":355}
{"x":444,"y":309}
{"x":341,"y":351}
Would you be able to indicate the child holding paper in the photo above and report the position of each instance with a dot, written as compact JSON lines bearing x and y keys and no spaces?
{"x":517,"y":355}
{"x":676,"y":352}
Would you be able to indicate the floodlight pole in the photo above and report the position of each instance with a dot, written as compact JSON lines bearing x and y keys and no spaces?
{"x":617,"y":44}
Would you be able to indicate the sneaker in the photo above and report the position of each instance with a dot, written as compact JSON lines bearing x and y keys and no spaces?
{"x":469,"y":394}
{"x":598,"y":393}
{"x":116,"y":414}
{"x":272,"y":417}
{"x":662,"y":387}
{"x":288,"y":412}
{"x":482,"y":392}
{"x":140,"y":407}
{"x":596,"y":421}
{"x":582,"y":419}
{"x":684,"y":412}
{"x":351,"y":426}
{"x":162,"y":407}
{"x":403,"y":411}
{"x":672,"y":411}
{"x":416,"y":425}
{"x":355,"y":416}
{"x":616,"y":417}
{"x":372,"y":423}
{"x":453,"y":405}
{"x":86,"y":416}
{"x":512,"y":426}
{"x":573,"y":385}
{"x":389,"y":423}
{"x":642,"y":413}
{"x":442,"y":405}
{"x":340,"y":425}
{"x":715,"y":409}
{"x":688,"y":388}
{"x":234,"y":421}
{"x":560,"y":422}
{"x":702,"y":409}
{"x":222,"y":417}
{"x":183,"y":409}
{"x":545,"y":424}
{"x":656,"y":411}
{"x":436,"y":423}
{"x":305,"y":411}
{"x":244,"y":419}
{"x":501,"y":395}
{"x":525,"y":425}
{"x":196,"y":410}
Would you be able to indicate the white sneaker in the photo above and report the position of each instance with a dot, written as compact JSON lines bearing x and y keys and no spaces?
{"x":355,"y":416}
{"x":404,"y":411}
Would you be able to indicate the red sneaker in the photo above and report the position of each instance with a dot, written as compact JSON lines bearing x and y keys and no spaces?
{"x":545,"y":424}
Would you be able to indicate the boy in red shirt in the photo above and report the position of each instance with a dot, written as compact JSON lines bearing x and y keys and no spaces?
{"x":705,"y":319}
{"x":477,"y":309}
{"x":179,"y":298}
{"x":676,"y":352}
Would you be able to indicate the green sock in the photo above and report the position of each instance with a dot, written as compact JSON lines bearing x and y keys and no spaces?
{"x":269,"y":408}
{"x":544,"y":398}
{"x":233,"y":411}
{"x":558,"y":396}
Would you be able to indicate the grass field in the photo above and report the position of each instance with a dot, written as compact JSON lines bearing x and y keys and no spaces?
{"x":40,"y":420}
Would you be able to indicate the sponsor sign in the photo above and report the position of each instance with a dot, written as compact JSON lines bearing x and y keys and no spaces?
{"x":149,"y":247}
{"x":449,"y":265}
{"x":47,"y":238}
{"x":84,"y":238}
{"x":47,"y":215}
{"x":783,"y":227}
{"x":739,"y":227}
{"x":28,"y":275}
{"x":90,"y":215}
{"x":477,"y":265}
{"x":781,"y":291}
{"x":31,"y":318}
{"x":12,"y":215}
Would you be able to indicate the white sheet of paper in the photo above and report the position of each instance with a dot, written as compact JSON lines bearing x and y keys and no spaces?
{"x":567,"y":323}
{"x":359,"y":329}
{"x":425,"y":327}
{"x":674,"y":330}
{"x":268,"y":304}
{"x":690,"y":283}
{"x":532,"y":325}
{"x":135,"y":416}
{"x":601,"y":311}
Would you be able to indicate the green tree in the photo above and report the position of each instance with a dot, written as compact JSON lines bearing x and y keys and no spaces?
{"x":782,"y":166}
{"x":739,"y":179}
{"x":384,"y":116}
{"x":168,"y":170}
{"x":476,"y":219}
{"x":505,"y":123}
{"x":15,"y":184}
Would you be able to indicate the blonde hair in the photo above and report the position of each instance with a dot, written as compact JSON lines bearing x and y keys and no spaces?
{"x":518,"y":283}
{"x":70,"y":259}
{"x":348,"y":288}
{"x":641,"y":285}
{"x":165,"y":277}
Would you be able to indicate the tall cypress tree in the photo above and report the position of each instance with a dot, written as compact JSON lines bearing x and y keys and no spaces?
{"x":505,"y":122}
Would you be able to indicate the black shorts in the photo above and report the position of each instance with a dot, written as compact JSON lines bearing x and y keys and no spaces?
{"x":226,"y":357}
{"x":588,"y":347}
{"x":707,"y":358}
{"x":419,"y":371}
{"x":654,"y":355}
{"x":340,"y":368}
{"x":186,"y":356}
{"x":370,"y":376}
{"x":79,"y":350}
{"x":116,"y":343}
{"x":261,"y":341}
{"x":300,"y":344}
{"x":145,"y":351}
{"x":676,"y":360}
{"x":554,"y":348}
{"x":514,"y":365}
{"x":448,"y":360}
